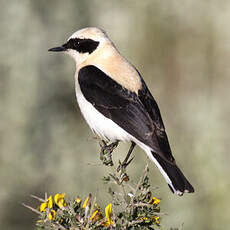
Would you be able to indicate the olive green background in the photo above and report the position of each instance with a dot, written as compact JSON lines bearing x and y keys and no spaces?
{"x":181,"y":48}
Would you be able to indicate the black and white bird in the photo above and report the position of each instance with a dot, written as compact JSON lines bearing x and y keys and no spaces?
{"x":117,"y":104}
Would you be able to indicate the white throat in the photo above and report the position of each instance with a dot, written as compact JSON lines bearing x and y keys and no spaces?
{"x":78,"y":57}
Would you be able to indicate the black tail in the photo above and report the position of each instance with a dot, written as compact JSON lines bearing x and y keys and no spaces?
{"x":179,"y":184}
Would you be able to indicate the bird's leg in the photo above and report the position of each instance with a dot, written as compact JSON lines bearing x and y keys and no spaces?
{"x":122,"y":166}
{"x":106,"y":152}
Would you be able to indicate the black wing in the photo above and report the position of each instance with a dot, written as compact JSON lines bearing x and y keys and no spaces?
{"x":154,"y":112}
{"x":138,"y":115}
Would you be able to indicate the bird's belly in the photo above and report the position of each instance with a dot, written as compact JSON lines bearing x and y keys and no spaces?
{"x":101,"y":125}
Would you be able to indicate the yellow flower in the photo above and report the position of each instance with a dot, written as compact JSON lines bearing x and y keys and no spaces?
{"x":52,"y":215}
{"x":87,"y":201}
{"x":155,"y":201}
{"x":97,"y":215}
{"x":157,"y":219}
{"x":108,"y":213}
{"x":47,"y":204}
{"x":59,"y":200}
{"x":78,"y":200}
{"x":143,"y":219}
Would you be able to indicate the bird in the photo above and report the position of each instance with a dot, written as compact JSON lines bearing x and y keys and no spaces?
{"x":116,"y":102}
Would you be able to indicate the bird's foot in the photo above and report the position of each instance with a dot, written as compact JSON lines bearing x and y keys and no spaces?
{"x":106,"y":152}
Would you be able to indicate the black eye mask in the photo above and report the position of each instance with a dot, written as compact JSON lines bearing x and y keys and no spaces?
{"x":81,"y":45}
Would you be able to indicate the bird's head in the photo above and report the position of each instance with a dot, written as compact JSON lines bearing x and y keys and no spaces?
{"x":83,"y":43}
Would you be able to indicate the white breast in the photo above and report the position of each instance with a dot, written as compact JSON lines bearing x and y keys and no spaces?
{"x":101,"y":125}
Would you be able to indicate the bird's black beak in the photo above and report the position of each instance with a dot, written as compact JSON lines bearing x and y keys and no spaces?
{"x":58,"y":49}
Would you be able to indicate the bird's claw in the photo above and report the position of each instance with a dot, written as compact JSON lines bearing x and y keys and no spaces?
{"x":106,"y":152}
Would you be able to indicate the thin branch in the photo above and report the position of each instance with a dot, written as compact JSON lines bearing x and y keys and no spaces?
{"x":145,"y":171}
{"x":32,"y":209}
{"x":37,"y":198}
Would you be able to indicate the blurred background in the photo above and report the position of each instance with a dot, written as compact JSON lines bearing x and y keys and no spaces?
{"x":182,"y":50}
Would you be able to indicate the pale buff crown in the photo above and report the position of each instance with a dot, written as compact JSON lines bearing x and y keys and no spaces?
{"x":93,"y":33}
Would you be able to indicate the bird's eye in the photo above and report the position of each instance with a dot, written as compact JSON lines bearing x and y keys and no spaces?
{"x":76,"y":43}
